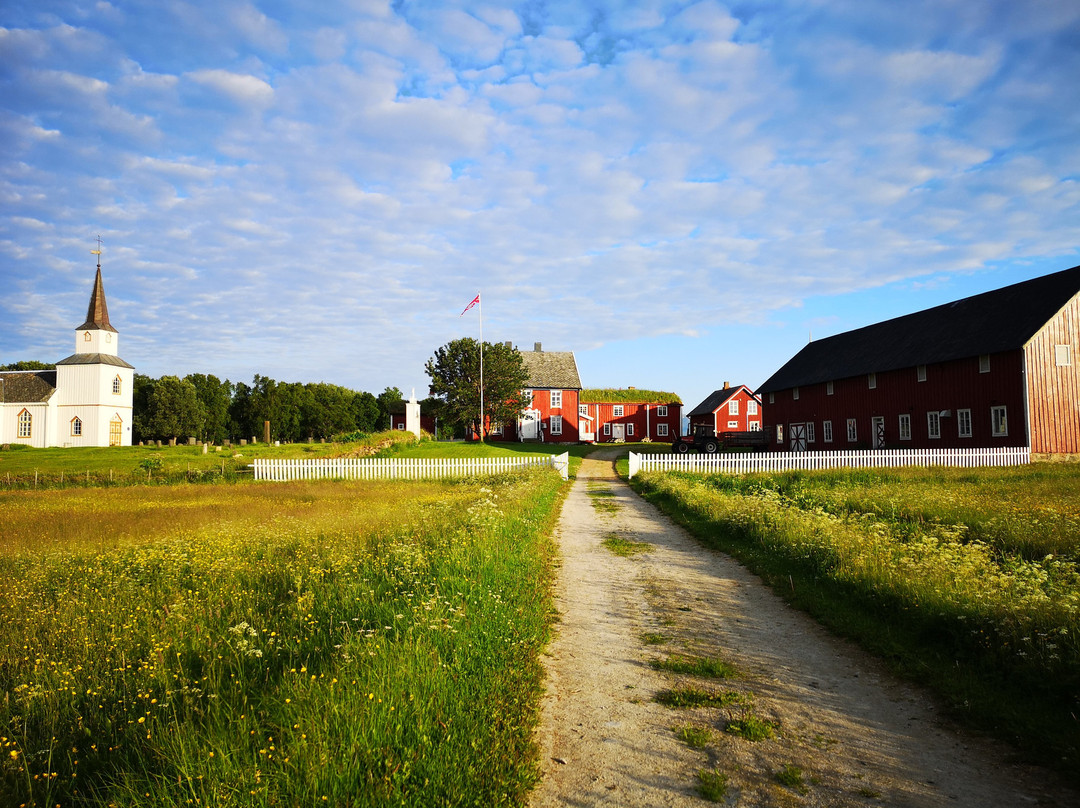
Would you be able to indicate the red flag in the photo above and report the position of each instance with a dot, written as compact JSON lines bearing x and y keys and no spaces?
{"x":475,"y":300}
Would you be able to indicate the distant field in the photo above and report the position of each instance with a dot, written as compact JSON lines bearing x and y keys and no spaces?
{"x":334,"y":643}
{"x":967,"y":580}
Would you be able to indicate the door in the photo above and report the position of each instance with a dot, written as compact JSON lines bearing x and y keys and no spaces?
{"x":797,"y":436}
{"x":877,"y":431}
{"x":618,"y":433}
{"x":530,"y":421}
{"x":115,"y":429}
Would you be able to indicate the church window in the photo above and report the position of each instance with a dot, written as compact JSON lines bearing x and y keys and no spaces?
{"x":116,"y":386}
{"x":26,"y":421}
{"x":115,"y":427}
{"x":108,"y":337}
{"x":86,"y":336}
{"x":76,"y":427}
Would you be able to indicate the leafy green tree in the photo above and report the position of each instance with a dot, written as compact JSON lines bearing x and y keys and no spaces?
{"x":365,"y":412}
{"x":215,"y":396}
{"x":455,"y":379}
{"x":141,"y":388}
{"x":330,"y":412}
{"x":29,"y":364}
{"x":387,"y":399}
{"x":241,"y":418}
{"x":174,"y":409}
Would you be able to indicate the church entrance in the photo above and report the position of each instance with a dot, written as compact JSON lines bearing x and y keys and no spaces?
{"x":116,"y":429}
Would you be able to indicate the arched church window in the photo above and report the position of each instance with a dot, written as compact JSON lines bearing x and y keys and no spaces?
{"x":86,"y":336}
{"x":76,"y":427}
{"x":26,"y":422}
{"x":116,"y":386}
{"x":108,"y":337}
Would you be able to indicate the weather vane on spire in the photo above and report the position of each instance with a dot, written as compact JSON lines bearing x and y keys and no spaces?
{"x":97,"y":252}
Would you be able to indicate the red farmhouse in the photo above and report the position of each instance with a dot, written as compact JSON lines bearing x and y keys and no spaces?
{"x":995,"y":369}
{"x":553,"y":390}
{"x":732,"y":409}
{"x":613,"y":416}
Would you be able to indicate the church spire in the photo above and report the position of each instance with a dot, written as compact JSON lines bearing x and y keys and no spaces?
{"x":97,"y":314}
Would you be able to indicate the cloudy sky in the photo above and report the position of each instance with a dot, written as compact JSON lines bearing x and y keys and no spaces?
{"x":680,"y":192}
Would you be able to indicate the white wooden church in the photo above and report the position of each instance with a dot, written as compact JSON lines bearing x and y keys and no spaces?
{"x":86,"y":401}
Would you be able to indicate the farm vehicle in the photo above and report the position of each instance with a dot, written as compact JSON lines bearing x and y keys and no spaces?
{"x":704,"y":439}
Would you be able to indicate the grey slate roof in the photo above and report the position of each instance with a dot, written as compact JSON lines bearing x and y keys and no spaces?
{"x":714,"y":401}
{"x":27,"y":386}
{"x":992,"y":322}
{"x":95,"y":359}
{"x":552,"y":369}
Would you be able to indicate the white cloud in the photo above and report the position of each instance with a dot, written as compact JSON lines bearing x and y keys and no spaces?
{"x":244,"y":89}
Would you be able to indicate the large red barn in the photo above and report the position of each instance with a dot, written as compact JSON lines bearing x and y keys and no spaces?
{"x":995,"y":369}
{"x":614,"y":416}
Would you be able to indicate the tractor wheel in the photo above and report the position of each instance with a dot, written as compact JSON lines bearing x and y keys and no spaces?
{"x":711,"y":447}
{"x":680,"y":448}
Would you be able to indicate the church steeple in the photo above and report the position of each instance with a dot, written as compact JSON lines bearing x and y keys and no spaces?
{"x":95,"y":337}
{"x":97,"y":315}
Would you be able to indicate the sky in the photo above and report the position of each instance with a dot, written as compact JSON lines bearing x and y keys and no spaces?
{"x":681,"y":193}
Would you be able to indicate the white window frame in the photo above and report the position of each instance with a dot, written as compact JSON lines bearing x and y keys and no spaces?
{"x":999,"y":421}
{"x":852,"y":430}
{"x":984,"y":363}
{"x":76,"y":427}
{"x":871,"y":381}
{"x":661,"y":430}
{"x":117,"y":386}
{"x":751,"y":407}
{"x":607,"y":428}
{"x":905,"y":426}
{"x":810,"y":437}
{"x":582,"y":409}
{"x":794,"y":393}
{"x":963,"y":423}
{"x":933,"y":424}
{"x":732,"y":424}
{"x":1062,"y":356}
{"x":779,"y":433}
{"x":528,"y":396}
{"x":617,"y":410}
{"x":733,"y":407}
{"x":629,"y":430}
{"x":661,"y":411}
{"x":920,"y":373}
{"x":556,"y":424}
{"x":754,"y":426}
{"x":826,"y":431}
{"x":556,"y":399}
{"x":830,"y":388}
{"x":26,"y":424}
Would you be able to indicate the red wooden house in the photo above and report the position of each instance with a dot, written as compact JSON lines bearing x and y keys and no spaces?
{"x":613,"y":416}
{"x":731,"y":409}
{"x":554,"y":386}
{"x":995,"y":369}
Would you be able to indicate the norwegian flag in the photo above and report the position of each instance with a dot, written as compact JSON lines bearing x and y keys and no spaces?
{"x":474,"y":302}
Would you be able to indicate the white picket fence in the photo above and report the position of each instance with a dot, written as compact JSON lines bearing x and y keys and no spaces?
{"x":741,"y":463}
{"x":400,"y":468}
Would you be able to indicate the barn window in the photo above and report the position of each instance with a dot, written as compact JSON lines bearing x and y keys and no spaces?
{"x":26,"y":423}
{"x":810,"y":438}
{"x":629,"y":430}
{"x":583,"y":409}
{"x":1062,"y":355}
{"x":754,"y":426}
{"x":829,"y":389}
{"x":528,"y":396}
{"x":607,"y":429}
{"x":933,"y":424}
{"x":779,"y":433}
{"x":1000,"y":422}
{"x":984,"y":363}
{"x":920,"y":373}
{"x":732,"y":424}
{"x":556,"y":398}
{"x":616,"y":411}
{"x":117,"y":386}
{"x":826,"y":431}
{"x":963,"y":423}
{"x":871,"y":381}
{"x":400,"y":425}
{"x":661,"y":411}
{"x":556,"y":425}
{"x":751,"y":408}
{"x":852,"y":431}
{"x":76,"y":427}
{"x":794,"y":393}
{"x":905,"y":427}
{"x":661,"y":430}
{"x":733,"y":406}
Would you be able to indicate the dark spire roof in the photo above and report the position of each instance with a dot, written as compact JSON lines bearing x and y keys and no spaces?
{"x":97,"y":315}
{"x":1001,"y":320}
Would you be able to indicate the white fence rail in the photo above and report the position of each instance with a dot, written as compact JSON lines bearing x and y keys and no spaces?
{"x":741,"y":463}
{"x":400,"y":468}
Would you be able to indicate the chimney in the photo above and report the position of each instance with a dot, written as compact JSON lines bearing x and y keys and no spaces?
{"x":727,"y":385}
{"x":536,"y":347}
{"x":507,"y":343}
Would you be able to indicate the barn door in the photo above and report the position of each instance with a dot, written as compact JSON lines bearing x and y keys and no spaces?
{"x":797,"y":435}
{"x":618,"y":432}
{"x":529,"y":421}
{"x":878,"y":431}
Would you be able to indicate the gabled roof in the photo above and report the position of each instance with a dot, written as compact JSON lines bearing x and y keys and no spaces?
{"x":97,"y":314}
{"x":552,"y":369}
{"x":95,"y":359}
{"x":992,"y":322}
{"x":716,"y":400}
{"x":27,"y":386}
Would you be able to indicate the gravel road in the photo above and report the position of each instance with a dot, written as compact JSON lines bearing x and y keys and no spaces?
{"x":857,"y":736}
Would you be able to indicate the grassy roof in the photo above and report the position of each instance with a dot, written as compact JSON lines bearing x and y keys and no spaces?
{"x":629,"y":395}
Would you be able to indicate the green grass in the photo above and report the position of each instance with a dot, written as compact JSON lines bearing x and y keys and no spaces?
{"x":706,"y":667}
{"x":712,"y":785}
{"x":751,"y":728}
{"x":925,"y":569}
{"x":653,"y":638}
{"x":682,"y":697}
{"x":693,"y":736}
{"x":792,"y":777}
{"x":624,"y":547}
{"x":313,"y":643}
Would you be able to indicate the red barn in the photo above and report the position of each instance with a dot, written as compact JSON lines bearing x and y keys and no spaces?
{"x":553,"y":390}
{"x":995,"y":369}
{"x":731,"y":409}
{"x":612,"y":416}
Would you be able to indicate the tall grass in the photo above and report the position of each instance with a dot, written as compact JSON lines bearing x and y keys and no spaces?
{"x":889,"y":559}
{"x":327,"y":643}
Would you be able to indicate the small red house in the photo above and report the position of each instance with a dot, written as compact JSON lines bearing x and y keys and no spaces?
{"x":614,"y":416}
{"x":731,"y":409}
{"x":995,"y":369}
{"x":553,"y":390}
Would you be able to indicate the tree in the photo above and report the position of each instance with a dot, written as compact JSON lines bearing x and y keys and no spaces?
{"x":215,"y":396}
{"x":29,"y":364}
{"x":365,"y":412}
{"x":387,"y":399}
{"x":455,"y":379}
{"x":174,"y":409}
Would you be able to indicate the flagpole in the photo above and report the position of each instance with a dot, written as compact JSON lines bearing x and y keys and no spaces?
{"x":480,"y":308}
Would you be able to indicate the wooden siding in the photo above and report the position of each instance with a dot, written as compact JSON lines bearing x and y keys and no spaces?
{"x":1054,"y":391}
{"x":720,"y":417}
{"x":949,"y":386}
{"x":641,"y":416}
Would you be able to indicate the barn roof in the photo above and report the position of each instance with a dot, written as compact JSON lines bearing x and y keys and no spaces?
{"x":27,"y":386}
{"x":97,"y":314}
{"x":94,"y":359}
{"x":1001,"y":320}
{"x":716,"y":399}
{"x":552,"y":369}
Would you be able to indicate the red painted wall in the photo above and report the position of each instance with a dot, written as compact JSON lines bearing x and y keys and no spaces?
{"x":949,"y":386}
{"x":721,"y":417}
{"x":568,"y":410}
{"x":639,"y":421}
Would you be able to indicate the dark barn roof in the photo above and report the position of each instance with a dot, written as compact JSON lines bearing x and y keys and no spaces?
{"x":552,"y":369}
{"x":95,"y":359}
{"x":992,"y":322}
{"x":27,"y":386}
{"x":715,"y":400}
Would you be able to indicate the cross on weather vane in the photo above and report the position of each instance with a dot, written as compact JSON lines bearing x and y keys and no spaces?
{"x":97,"y":252}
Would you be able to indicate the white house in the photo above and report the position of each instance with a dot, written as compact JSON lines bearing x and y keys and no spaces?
{"x":86,"y":401}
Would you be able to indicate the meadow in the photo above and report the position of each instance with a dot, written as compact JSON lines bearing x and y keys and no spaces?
{"x":967,"y":581}
{"x":319,"y":643}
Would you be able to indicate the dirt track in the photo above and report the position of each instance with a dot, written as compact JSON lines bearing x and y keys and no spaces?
{"x":858,"y":736}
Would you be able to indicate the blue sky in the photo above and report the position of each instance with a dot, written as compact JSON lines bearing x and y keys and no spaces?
{"x":681,"y":193}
